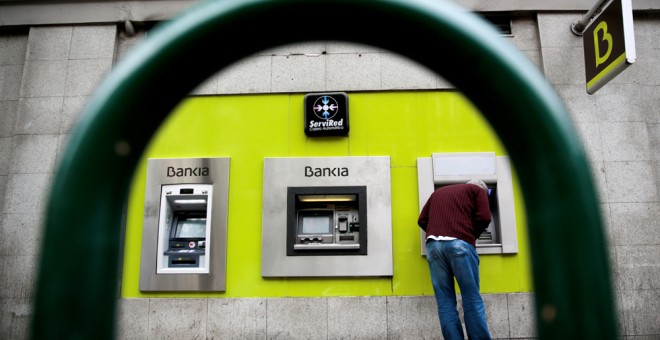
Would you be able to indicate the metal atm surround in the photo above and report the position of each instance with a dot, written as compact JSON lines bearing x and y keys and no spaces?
{"x":172,"y":171}
{"x":372,"y":172}
{"x":453,"y":168}
{"x":344,"y":231}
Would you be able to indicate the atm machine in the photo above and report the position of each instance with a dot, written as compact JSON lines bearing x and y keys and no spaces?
{"x":185,"y":226}
{"x":184,"y":233}
{"x":326,"y":221}
{"x":500,"y":237}
{"x":327,"y":217}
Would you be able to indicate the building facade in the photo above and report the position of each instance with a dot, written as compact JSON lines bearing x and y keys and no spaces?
{"x":50,"y":65}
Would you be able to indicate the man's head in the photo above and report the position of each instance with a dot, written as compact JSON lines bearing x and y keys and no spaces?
{"x":478,"y":183}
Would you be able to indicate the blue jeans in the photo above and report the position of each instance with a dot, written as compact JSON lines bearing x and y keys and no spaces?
{"x":457,"y":258}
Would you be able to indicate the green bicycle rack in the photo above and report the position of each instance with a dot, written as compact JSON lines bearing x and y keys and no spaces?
{"x":77,"y":286}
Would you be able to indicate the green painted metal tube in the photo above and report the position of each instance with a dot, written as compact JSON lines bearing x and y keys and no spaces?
{"x":77,"y":279}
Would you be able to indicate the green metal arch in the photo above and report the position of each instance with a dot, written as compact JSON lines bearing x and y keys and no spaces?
{"x":77,"y":283}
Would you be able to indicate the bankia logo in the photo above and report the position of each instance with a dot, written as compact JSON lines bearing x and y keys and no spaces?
{"x":187,"y":172}
{"x":326,"y":114}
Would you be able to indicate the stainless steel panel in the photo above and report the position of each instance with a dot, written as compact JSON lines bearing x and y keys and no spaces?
{"x":281,"y":173}
{"x":508,"y":227}
{"x":157,"y":175}
{"x":425,"y":188}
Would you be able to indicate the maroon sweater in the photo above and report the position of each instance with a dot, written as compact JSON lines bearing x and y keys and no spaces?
{"x":459,"y":210}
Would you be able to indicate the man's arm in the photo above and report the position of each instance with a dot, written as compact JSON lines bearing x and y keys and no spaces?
{"x":482,"y":215}
{"x":423,"y":219}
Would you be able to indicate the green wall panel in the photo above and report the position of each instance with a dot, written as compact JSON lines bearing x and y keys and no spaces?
{"x":402,"y":125}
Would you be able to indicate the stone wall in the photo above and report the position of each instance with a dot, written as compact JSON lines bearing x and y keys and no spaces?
{"x":619,"y":126}
{"x":48,"y":72}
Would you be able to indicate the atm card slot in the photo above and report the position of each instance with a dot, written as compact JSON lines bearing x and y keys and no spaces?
{"x":178,"y":245}
{"x":325,"y":246}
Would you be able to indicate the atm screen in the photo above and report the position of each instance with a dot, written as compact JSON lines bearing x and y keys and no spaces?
{"x":315,"y":223}
{"x":191,"y":228}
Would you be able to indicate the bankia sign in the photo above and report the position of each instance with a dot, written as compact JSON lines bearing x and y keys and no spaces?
{"x":609,"y":44}
{"x":326,"y":114}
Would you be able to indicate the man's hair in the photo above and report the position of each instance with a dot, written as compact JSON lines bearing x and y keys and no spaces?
{"x":479,"y":183}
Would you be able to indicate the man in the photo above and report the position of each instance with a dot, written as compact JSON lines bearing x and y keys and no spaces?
{"x":453,"y":218}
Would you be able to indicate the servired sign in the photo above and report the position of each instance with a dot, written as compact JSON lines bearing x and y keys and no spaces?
{"x":326,"y":114}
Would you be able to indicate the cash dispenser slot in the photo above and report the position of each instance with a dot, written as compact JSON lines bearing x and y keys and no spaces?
{"x":326,"y":221}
